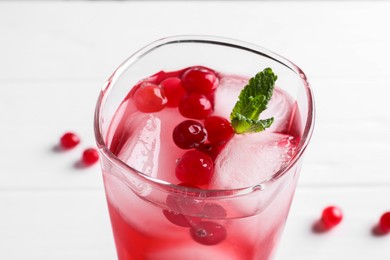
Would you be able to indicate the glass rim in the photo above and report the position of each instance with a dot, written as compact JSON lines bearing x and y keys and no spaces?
{"x":215,"y":40}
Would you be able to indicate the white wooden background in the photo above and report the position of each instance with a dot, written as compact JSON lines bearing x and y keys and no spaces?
{"x":55,"y":56}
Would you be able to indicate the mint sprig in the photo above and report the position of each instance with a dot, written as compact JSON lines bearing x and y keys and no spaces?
{"x":253,"y":100}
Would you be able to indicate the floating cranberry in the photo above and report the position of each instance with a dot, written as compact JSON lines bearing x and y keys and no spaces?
{"x":331,"y":216}
{"x":208,"y":233}
{"x":219,"y":129}
{"x":189,"y":134}
{"x":180,"y":219}
{"x":90,"y":156}
{"x":184,"y":205}
{"x":384,"y":222}
{"x":173,"y":90}
{"x":181,"y":207}
{"x":149,"y":98}
{"x":213,"y":210}
{"x":195,"y":167}
{"x":199,"y":79}
{"x":212,"y":150}
{"x":195,"y":106}
{"x":69,"y":140}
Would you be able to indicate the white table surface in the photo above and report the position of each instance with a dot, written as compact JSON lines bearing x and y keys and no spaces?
{"x":55,"y":56}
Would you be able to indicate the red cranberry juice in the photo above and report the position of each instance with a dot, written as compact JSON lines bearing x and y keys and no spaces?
{"x":175,"y":127}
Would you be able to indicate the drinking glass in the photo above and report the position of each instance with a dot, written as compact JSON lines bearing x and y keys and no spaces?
{"x":251,"y":218}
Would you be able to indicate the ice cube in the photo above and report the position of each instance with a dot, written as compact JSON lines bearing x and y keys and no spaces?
{"x":279,"y":107}
{"x":170,"y":153}
{"x":249,"y":159}
{"x":226,"y":95}
{"x":142,"y":149}
{"x":150,"y":148}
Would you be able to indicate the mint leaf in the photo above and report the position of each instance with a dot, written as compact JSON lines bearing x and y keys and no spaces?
{"x":253,"y":100}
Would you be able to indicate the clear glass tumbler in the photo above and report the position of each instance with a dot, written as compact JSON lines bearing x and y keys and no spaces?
{"x":238,"y":223}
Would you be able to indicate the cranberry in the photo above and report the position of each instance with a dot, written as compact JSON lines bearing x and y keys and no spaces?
{"x":184,"y":205}
{"x":189,"y":134}
{"x":384,"y":222}
{"x":219,"y":129}
{"x":213,"y":210}
{"x":195,"y":167}
{"x":208,"y":233}
{"x":180,"y":219}
{"x":149,"y":98}
{"x":69,"y":140}
{"x":195,"y":106}
{"x":331,"y":216}
{"x":199,"y":79}
{"x":173,"y":90}
{"x":90,"y":156}
{"x":212,"y":150}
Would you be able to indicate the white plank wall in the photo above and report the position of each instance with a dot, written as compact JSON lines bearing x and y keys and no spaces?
{"x":55,"y":56}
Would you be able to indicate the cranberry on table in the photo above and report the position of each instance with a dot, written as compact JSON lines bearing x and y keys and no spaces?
{"x":90,"y":156}
{"x":195,"y":105}
{"x":174,"y":90}
{"x":199,"y":79}
{"x":69,"y":140}
{"x":208,"y":233}
{"x":219,"y":129}
{"x":195,"y":167}
{"x":331,"y":217}
{"x":384,"y":222}
{"x":189,"y":134}
{"x":150,"y":98}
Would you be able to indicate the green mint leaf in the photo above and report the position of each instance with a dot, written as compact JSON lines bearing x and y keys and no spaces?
{"x":253,"y":100}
